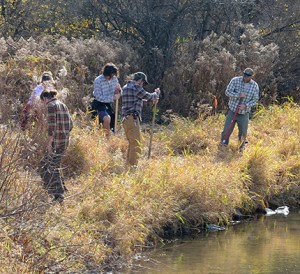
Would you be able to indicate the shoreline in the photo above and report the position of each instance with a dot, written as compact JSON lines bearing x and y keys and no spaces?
{"x":113,"y":214}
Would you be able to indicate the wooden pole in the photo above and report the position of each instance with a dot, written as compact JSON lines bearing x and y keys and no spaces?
{"x":151,"y":132}
{"x":116,"y":115}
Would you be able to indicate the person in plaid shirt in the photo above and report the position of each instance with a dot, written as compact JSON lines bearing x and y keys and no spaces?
{"x":59,"y":124}
{"x":106,"y":90}
{"x":243,"y":93}
{"x":133,"y":95}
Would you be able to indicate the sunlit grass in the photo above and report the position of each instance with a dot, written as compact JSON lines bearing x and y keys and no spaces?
{"x":112,"y":212}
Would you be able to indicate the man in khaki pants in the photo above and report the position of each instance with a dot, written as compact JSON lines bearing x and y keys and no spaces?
{"x":133,"y":95}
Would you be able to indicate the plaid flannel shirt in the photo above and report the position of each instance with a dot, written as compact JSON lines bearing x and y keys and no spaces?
{"x":132,"y":98}
{"x":104,"y":89}
{"x":237,"y":86}
{"x":59,"y":123}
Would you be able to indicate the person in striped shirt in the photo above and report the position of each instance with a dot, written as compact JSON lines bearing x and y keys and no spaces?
{"x":133,"y":95}
{"x":59,"y":126}
{"x":243,"y":93}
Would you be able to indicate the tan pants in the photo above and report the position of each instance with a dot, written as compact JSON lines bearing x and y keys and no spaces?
{"x":133,"y":134}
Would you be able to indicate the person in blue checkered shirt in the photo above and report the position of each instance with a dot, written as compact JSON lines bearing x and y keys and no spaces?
{"x":106,"y":90}
{"x":243,"y":93}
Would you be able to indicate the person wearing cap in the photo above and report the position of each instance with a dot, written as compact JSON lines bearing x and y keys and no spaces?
{"x":243,"y":93}
{"x":133,"y":95}
{"x":31,"y":110}
{"x":59,"y":126}
{"x":106,"y":90}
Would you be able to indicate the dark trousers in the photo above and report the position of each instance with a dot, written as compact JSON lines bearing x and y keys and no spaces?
{"x":242,"y":121}
{"x":97,"y":107}
{"x":50,"y":172}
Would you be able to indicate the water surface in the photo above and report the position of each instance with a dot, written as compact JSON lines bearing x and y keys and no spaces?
{"x":264,"y":245}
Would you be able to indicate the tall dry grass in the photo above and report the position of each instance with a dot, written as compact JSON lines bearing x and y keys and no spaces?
{"x":110,"y":213}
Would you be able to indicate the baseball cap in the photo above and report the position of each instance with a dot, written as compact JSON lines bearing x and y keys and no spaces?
{"x":248,"y":71}
{"x":140,"y":75}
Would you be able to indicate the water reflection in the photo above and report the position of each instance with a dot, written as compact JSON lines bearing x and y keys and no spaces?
{"x":266,"y":245}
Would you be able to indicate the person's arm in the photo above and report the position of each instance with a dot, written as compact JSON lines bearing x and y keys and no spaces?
{"x":144,"y":95}
{"x":98,"y":92}
{"x":71,"y":122}
{"x":118,"y":91}
{"x":157,"y":91}
{"x":49,"y":144}
{"x":51,"y":121}
{"x":35,"y":94}
{"x":231,"y":89}
{"x":254,"y":98}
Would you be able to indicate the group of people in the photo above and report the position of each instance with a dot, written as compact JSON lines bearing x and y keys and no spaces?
{"x":59,"y":121}
{"x":243,"y":93}
{"x":107,"y":90}
{"x":59,"y":126}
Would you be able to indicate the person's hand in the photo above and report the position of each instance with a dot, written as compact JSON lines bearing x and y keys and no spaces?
{"x":117,"y":96}
{"x":157,"y":90}
{"x":49,"y":149}
{"x":242,"y":95}
{"x":49,"y":145}
{"x":27,"y":108}
{"x":242,"y":107}
{"x":118,"y":88}
{"x":155,"y":101}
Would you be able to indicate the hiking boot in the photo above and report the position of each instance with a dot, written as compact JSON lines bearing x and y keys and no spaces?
{"x":241,"y":149}
{"x":243,"y":146}
{"x":223,"y":147}
{"x":58,"y":198}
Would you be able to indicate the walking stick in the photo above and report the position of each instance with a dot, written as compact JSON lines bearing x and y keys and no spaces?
{"x":151,"y":132}
{"x":116,"y":114}
{"x":226,"y":134}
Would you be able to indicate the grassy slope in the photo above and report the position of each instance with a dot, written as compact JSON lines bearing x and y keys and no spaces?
{"x":112,"y":213}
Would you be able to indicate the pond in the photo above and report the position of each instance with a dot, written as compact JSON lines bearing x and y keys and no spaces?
{"x":268,"y":244}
